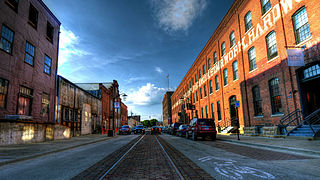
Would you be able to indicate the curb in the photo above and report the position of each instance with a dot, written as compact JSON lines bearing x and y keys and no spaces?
{"x":297,"y":150}
{"x":50,"y":152}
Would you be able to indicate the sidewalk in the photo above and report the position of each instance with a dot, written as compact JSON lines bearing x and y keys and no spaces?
{"x":302,"y":146}
{"x":20,"y":152}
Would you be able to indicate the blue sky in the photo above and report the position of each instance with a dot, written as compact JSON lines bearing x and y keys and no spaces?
{"x":136,"y":42}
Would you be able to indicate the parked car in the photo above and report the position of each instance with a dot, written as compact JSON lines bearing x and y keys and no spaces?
{"x":202,"y":128}
{"x":139,"y":129}
{"x":133,"y":129}
{"x":125,"y":129}
{"x":182,"y":130}
{"x":165,"y":129}
{"x":173,"y":128}
{"x":155,"y":130}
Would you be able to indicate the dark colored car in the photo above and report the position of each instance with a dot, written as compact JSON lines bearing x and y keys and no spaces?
{"x":155,"y":130}
{"x":165,"y":129}
{"x":173,"y":128}
{"x":125,"y":130}
{"x":139,"y":129}
{"x":182,"y":130}
{"x":202,"y":128}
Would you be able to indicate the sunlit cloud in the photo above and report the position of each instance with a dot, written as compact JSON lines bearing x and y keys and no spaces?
{"x":146,"y":95}
{"x":175,"y":15}
{"x":158,"y":69}
{"x":69,"y":46}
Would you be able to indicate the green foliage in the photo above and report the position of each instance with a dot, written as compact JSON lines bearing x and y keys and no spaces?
{"x":150,"y":123}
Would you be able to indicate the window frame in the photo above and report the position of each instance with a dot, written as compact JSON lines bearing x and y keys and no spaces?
{"x":212,"y":111}
{"x":257,"y":101}
{"x":200,"y":93}
{"x":252,"y":66}
{"x":223,"y":48}
{"x":296,"y":34}
{"x":50,"y":26}
{"x":12,"y":5}
{"x":205,"y":90}
{"x":45,"y":64}
{"x":219,"y":110}
{"x":43,"y":112}
{"x":225,"y":77}
{"x":28,"y":53}
{"x":209,"y":63}
{"x":235,"y":70}
{"x":4,"y":83}
{"x":30,"y":21}
{"x":215,"y":57}
{"x":217,"y":82}
{"x":249,"y":23}
{"x":232,"y":39}
{"x":267,"y":5}
{"x":275,"y":98}
{"x":210,"y":82}
{"x":271,"y":46}
{"x":7,"y":40}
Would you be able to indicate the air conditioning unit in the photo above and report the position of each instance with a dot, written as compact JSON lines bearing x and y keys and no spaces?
{"x":18,"y":117}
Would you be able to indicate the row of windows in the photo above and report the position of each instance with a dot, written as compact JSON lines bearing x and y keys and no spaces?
{"x":7,"y":36}
{"x":25,"y":98}
{"x":32,"y":18}
{"x":302,"y":32}
{"x":212,"y":111}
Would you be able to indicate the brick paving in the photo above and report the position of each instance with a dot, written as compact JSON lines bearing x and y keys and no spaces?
{"x":254,"y":153}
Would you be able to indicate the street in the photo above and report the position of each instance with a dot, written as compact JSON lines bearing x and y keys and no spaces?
{"x":164,"y":157}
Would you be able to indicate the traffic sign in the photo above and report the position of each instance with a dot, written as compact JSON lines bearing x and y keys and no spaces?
{"x":116,"y":105}
{"x":237,"y":103}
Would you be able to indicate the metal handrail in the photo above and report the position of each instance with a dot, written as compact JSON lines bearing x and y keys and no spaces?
{"x":294,"y":119}
{"x":311,"y":119}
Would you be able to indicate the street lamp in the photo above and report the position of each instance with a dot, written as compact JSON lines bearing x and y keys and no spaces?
{"x":116,"y":105}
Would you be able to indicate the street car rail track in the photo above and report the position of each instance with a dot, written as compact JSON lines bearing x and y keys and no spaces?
{"x":124,"y":155}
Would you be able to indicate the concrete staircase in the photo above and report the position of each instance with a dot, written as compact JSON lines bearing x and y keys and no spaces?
{"x":304,"y":130}
{"x":227,"y":130}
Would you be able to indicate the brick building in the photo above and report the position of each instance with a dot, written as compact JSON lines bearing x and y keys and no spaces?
{"x":245,"y":61}
{"x":166,"y":108}
{"x":77,"y":109}
{"x":109,"y":93}
{"x":124,"y":114}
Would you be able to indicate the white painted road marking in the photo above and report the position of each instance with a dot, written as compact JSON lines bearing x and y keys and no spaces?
{"x":229,"y":169}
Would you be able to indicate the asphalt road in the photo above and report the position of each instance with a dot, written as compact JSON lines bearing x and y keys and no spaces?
{"x":229,"y":161}
{"x":65,"y":164}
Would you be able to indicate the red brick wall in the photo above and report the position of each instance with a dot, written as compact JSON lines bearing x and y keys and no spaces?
{"x":266,"y":69}
{"x":16,"y":71}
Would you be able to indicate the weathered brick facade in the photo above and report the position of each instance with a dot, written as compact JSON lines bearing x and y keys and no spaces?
{"x":290,"y":89}
{"x":124,"y":114}
{"x":166,"y":108}
{"x":15,"y":70}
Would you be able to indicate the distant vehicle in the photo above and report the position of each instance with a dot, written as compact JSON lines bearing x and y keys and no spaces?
{"x":125,"y":130}
{"x":139,"y":129}
{"x":133,"y":129}
{"x":173,"y":128}
{"x":202,"y":128}
{"x":165,"y":129}
{"x":155,"y":130}
{"x":182,"y":130}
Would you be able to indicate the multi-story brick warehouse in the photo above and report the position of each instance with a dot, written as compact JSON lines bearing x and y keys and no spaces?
{"x":166,"y":108}
{"x":246,"y":60}
{"x":29,"y":41}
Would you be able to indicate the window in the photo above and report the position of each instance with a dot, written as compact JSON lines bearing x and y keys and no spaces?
{"x":205,"y":90}
{"x":215,"y":59}
{"x":50,"y":32}
{"x":275,"y":96}
{"x":202,"y":112}
{"x":203,"y":69}
{"x":197,"y":95}
{"x":3,"y":92}
{"x":47,"y":64}
{"x":207,"y":115}
{"x":45,"y":104}
{"x":212,"y":111}
{"x":13,"y":4}
{"x":6,"y":39}
{"x":194,"y":98}
{"x":232,"y":39}
{"x":301,"y":25}
{"x":209,"y":64}
{"x":33,"y":16}
{"x":200,"y":93}
{"x":225,"y":76}
{"x":312,"y":71}
{"x":217,"y":82}
{"x":195,"y":77}
{"x":257,"y":102}
{"x":223,"y":49}
{"x":25,"y":101}
{"x":29,"y":57}
{"x":271,"y":45}
{"x":235,"y":70}
{"x":248,"y":21}
{"x":192,"y":81}
{"x":252,"y":59}
{"x":218,"y":110}
{"x":199,"y":74}
{"x":265,"y":5}
{"x":210,"y":86}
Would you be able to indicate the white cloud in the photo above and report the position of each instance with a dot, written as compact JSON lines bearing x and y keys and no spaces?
{"x":68,"y":46}
{"x":158,"y":69}
{"x":174,"y":15}
{"x":146,"y":95}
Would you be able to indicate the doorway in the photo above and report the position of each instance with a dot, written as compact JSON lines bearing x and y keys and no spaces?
{"x":233,"y":110}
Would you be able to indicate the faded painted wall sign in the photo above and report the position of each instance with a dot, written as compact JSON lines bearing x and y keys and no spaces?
{"x":295,"y":57}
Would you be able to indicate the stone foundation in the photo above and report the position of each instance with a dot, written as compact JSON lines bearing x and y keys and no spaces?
{"x":28,"y":132}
